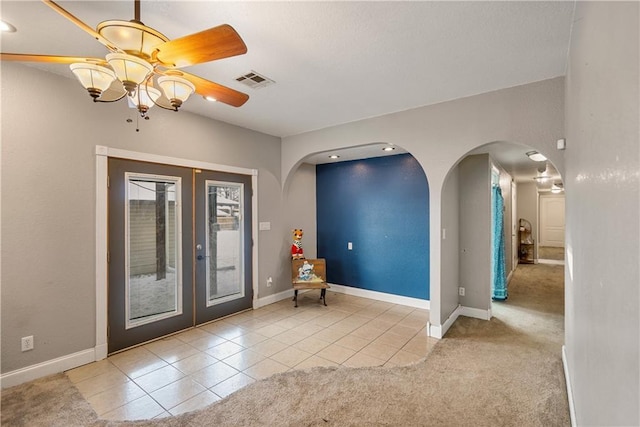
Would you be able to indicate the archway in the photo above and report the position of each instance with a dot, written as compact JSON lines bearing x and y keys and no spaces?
{"x":371,"y":219}
{"x":466,"y":273}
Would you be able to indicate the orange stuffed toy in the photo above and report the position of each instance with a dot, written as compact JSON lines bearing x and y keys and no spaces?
{"x":296,"y":247}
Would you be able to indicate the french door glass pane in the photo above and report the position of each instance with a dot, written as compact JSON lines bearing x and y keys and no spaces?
{"x":225,"y":277}
{"x":153,"y":245}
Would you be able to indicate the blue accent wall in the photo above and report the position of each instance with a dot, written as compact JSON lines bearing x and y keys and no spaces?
{"x":381,"y":205}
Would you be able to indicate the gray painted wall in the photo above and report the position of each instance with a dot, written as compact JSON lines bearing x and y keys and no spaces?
{"x":465,"y":190}
{"x":527,"y":198}
{"x":475,"y":231}
{"x":602,"y":282}
{"x":439,"y":135}
{"x":301,"y":197}
{"x":450,"y":270}
{"x":49,"y":130}
{"x":48,"y":168}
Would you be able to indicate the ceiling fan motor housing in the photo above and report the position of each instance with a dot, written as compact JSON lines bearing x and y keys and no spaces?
{"x":133,"y":37}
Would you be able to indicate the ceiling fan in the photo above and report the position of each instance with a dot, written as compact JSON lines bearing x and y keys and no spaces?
{"x":141,"y":59}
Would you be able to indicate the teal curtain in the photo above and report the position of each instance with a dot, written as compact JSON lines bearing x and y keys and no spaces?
{"x":498,"y":269}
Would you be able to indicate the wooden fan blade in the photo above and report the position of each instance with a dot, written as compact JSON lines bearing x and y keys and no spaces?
{"x":208,"y":45}
{"x":220,"y":93}
{"x":93,"y":33}
{"x":24,"y":57}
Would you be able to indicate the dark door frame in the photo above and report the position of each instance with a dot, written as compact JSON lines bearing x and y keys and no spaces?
{"x":102,"y":154}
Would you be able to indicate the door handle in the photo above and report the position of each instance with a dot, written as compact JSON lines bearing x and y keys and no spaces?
{"x":201,"y":257}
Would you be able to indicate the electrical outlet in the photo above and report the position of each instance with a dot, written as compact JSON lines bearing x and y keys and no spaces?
{"x":27,"y":343}
{"x":349,"y":246}
{"x":269,"y":282}
{"x":461,"y":291}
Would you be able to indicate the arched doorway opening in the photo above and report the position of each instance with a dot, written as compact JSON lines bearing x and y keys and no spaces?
{"x":366,"y":211}
{"x":468,"y":273}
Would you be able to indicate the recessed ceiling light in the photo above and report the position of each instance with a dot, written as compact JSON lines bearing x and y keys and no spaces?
{"x":388,"y":148}
{"x":536,"y":157}
{"x":5,"y":27}
{"x":334,"y":156}
{"x":210,"y":98}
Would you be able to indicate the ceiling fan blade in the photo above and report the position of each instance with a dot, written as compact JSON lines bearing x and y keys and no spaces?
{"x":24,"y":57}
{"x":208,"y":45}
{"x":93,"y":33}
{"x":220,"y":93}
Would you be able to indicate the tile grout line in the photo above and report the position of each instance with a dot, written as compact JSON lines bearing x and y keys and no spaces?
{"x":280,"y":322}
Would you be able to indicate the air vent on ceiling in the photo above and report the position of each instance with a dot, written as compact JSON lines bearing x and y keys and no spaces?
{"x":255,"y":80}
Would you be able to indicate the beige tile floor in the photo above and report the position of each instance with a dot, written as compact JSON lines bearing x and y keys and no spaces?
{"x":195,"y":368}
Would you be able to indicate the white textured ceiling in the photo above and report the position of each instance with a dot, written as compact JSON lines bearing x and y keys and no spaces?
{"x":333,"y":62}
{"x":513,"y":158}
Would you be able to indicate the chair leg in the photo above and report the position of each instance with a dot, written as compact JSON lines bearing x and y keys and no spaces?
{"x":295,"y":296}
{"x":323,"y":296}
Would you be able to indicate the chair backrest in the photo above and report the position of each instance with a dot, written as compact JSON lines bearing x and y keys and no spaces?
{"x":308,"y":270}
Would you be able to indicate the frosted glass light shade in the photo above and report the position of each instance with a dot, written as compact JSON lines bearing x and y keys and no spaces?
{"x":129,"y":68}
{"x":93,"y":77}
{"x":144,"y":98}
{"x":176,"y":88}
{"x":555,"y":189}
{"x":536,"y":157}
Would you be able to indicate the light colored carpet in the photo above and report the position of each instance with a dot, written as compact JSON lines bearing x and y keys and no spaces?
{"x":549,"y":252}
{"x":503,"y":372}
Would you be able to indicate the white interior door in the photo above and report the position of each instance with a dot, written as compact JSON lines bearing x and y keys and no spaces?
{"x":552,"y":220}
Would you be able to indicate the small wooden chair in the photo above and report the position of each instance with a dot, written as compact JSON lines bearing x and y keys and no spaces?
{"x":309,"y":274}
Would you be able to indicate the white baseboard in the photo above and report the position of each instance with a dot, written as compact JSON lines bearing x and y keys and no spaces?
{"x":348,"y":290}
{"x":83,"y":357}
{"x":381,"y":296}
{"x":475,"y":313}
{"x":438,"y":331}
{"x":567,"y":378}
{"x":49,"y":367}
{"x":270,"y":299}
{"x":102,"y":351}
{"x":551,"y":261}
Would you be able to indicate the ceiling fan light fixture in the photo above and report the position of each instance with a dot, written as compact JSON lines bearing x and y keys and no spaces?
{"x":129,"y":69}
{"x":143,"y":99}
{"x":536,"y":157}
{"x":176,"y":89}
{"x":210,"y":98}
{"x":94,"y":78}
{"x":139,"y":56}
{"x":132,"y":37}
